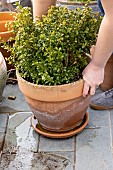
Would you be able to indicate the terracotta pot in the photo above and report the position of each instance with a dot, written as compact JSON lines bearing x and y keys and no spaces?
{"x":5,"y":17}
{"x":3,"y":74}
{"x":57,"y":108}
{"x":40,"y":7}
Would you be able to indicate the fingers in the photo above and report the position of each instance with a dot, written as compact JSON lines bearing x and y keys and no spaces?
{"x":86,"y":89}
{"x":92,"y":90}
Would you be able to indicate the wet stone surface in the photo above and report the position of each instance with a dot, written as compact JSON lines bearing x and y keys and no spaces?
{"x":3,"y":128}
{"x":20,"y":135}
{"x":34,"y":161}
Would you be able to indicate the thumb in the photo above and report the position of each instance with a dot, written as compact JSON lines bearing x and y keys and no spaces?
{"x":86,"y":89}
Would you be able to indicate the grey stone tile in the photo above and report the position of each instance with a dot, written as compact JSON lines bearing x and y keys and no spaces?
{"x":18,"y":104}
{"x":20,"y":135}
{"x":50,"y":145}
{"x":34,"y":161}
{"x":3,"y":127}
{"x":98,"y":118}
{"x":94,"y":150}
{"x":17,"y":119}
{"x":111,"y":119}
{"x":3,"y":122}
{"x":111,"y":116}
{"x":2,"y":137}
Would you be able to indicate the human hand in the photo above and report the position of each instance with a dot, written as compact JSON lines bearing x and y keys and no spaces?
{"x":93,"y":76}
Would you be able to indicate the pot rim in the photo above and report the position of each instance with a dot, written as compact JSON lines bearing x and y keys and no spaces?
{"x":55,"y":93}
{"x":6,"y":13}
{"x":47,"y":86}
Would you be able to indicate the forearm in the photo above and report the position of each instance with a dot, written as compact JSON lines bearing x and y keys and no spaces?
{"x":4,"y":2}
{"x":104,"y":44}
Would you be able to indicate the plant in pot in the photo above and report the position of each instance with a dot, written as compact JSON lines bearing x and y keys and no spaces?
{"x":49,"y":56}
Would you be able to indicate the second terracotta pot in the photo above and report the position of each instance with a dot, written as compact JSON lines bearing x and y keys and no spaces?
{"x":6,"y":17}
{"x":57,"y":108}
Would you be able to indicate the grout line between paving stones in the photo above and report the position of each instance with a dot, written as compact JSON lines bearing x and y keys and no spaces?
{"x":38,"y":143}
{"x":74,"y":153}
{"x":4,"y":135}
{"x":111,"y":132}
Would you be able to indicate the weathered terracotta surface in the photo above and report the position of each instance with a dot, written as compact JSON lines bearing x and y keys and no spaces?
{"x":40,"y":7}
{"x":59,"y":116}
{"x":56,"y":109}
{"x":5,"y":17}
{"x":66,"y":134}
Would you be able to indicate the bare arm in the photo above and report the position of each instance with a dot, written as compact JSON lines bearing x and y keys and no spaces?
{"x":93,"y":74}
{"x":104,"y":45}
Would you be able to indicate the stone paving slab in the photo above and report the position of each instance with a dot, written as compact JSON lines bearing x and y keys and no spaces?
{"x":19,"y":104}
{"x":34,"y":161}
{"x":98,"y":118}
{"x":111,"y":119}
{"x":3,"y":127}
{"x":20,"y":135}
{"x":94,"y":150}
{"x":53,"y":145}
{"x":21,"y":143}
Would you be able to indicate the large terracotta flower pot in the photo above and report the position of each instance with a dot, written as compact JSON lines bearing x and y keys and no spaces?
{"x":5,"y":17}
{"x":3,"y":74}
{"x":40,"y":7}
{"x":57,"y":108}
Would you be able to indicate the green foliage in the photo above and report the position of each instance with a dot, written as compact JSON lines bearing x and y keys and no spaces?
{"x":52,"y":51}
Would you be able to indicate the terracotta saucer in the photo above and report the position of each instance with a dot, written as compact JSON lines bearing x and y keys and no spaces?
{"x":38,"y":128}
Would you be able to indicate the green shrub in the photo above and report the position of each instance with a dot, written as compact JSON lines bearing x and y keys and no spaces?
{"x":52,"y":51}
